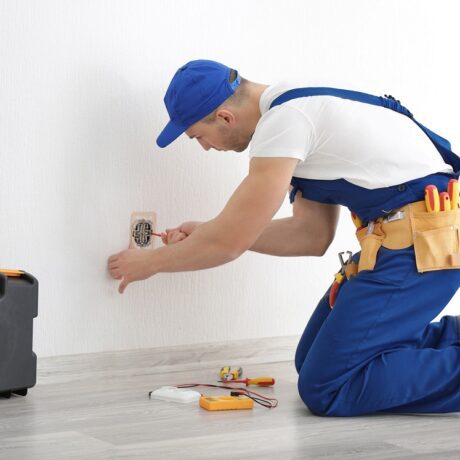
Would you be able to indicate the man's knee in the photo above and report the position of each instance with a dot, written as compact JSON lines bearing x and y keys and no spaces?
{"x":326,"y":398}
{"x":323,"y":398}
{"x":313,"y":397}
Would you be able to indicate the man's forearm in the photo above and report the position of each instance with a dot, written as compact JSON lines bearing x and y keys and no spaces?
{"x":288,"y":237}
{"x":201,"y":250}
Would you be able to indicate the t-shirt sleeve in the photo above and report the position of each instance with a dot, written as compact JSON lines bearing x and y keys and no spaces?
{"x":283,"y":132}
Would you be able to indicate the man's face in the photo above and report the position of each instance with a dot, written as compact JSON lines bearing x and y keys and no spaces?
{"x":219,"y":135}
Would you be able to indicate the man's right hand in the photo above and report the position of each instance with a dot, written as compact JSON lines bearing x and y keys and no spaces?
{"x":174,"y":235}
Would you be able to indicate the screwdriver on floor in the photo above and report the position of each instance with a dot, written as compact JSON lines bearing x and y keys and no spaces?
{"x":261,"y":381}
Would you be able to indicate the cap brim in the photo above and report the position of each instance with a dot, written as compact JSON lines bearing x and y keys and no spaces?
{"x":169,"y":134}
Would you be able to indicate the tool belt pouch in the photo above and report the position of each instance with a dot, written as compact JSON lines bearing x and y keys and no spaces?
{"x":370,"y":245}
{"x":436,"y":240}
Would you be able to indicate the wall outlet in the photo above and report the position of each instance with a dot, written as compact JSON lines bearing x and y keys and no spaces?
{"x":140,"y":230}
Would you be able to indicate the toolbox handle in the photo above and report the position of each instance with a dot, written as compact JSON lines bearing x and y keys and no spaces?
{"x":3,"y":279}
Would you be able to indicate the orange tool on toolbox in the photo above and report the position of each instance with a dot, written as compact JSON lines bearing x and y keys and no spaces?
{"x":432,"y":198}
{"x":452,"y":189}
{"x":444,"y":201}
{"x":11,"y":272}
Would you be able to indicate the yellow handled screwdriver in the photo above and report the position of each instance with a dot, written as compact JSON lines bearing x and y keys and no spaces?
{"x":261,"y":381}
{"x":432,"y":198}
{"x":444,"y":201}
{"x":453,"y":193}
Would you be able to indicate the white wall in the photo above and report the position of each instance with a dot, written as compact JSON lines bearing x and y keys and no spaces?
{"x":81,"y":89}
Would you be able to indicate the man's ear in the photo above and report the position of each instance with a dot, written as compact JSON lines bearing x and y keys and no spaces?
{"x":226,"y":116}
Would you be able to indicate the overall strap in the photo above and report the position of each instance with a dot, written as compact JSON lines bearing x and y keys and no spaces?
{"x":389,"y":102}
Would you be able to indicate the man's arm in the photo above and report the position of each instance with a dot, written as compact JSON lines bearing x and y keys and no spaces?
{"x":222,"y":239}
{"x":309,"y":231}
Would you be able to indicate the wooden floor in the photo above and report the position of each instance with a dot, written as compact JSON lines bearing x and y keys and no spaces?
{"x":97,"y":406}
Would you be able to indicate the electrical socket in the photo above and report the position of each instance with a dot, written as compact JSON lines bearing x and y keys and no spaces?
{"x":140,"y":230}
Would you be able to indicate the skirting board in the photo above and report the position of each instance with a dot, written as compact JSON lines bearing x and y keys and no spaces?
{"x":61,"y":369}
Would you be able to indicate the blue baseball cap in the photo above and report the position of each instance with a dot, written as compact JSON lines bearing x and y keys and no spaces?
{"x":195,"y":91}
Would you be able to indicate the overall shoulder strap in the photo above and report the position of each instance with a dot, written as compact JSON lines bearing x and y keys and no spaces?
{"x":389,"y":102}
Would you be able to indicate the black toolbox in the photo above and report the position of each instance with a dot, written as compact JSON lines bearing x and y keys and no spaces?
{"x":18,"y":308}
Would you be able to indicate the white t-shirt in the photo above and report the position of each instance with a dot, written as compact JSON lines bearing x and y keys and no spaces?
{"x":335,"y":138}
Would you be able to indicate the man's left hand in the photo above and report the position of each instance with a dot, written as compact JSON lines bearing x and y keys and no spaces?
{"x":131,"y":265}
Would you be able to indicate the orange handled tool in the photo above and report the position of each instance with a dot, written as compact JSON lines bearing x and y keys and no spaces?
{"x":432,"y":198}
{"x":444,"y":201}
{"x":11,"y":272}
{"x":453,"y":193}
{"x":339,"y":277}
{"x":261,"y":381}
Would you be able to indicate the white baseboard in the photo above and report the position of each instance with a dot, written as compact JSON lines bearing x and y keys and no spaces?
{"x":157,"y":360}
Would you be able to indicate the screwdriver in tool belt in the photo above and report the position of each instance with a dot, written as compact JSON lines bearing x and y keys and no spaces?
{"x":432,"y":198}
{"x":453,"y":193}
{"x":444,"y":201}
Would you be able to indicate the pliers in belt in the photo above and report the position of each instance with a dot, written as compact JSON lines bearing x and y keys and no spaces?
{"x":339,"y":277}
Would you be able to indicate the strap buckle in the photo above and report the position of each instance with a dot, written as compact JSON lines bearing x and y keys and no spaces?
{"x":398,"y":215}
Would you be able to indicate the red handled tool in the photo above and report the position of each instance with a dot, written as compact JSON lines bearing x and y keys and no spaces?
{"x":339,"y":277}
{"x":432,"y":198}
{"x":261,"y":381}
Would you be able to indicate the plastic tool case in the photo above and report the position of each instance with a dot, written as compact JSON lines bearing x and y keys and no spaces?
{"x":18,"y":308}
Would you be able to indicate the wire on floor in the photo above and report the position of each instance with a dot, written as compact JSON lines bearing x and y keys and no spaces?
{"x":265,"y":401}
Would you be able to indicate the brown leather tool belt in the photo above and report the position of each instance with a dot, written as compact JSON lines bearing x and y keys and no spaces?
{"x":434,"y":235}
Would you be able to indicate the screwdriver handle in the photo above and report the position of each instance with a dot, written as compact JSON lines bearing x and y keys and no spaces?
{"x":444,"y":201}
{"x":453,"y":193}
{"x":432,"y":198}
{"x":261,"y":381}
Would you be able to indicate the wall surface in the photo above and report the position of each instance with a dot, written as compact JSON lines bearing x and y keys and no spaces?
{"x":81,"y":89}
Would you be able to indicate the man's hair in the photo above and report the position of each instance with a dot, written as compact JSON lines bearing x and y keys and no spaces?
{"x":236,"y":99}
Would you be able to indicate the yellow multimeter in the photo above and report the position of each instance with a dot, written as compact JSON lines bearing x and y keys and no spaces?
{"x":226,"y":402}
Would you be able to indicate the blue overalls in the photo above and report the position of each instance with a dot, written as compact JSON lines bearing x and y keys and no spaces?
{"x":377,"y":350}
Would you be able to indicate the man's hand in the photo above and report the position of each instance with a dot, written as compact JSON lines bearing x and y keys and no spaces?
{"x":174,"y":235}
{"x":131,"y":265}
{"x":222,"y":239}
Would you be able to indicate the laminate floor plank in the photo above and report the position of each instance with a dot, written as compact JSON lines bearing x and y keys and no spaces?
{"x":96,"y":406}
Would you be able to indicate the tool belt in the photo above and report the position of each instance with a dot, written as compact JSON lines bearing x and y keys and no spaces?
{"x":434,"y":235}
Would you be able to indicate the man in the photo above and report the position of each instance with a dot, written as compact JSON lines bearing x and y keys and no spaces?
{"x":376,"y":350}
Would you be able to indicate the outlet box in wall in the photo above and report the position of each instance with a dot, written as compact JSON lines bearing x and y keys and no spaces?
{"x":140,"y":230}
